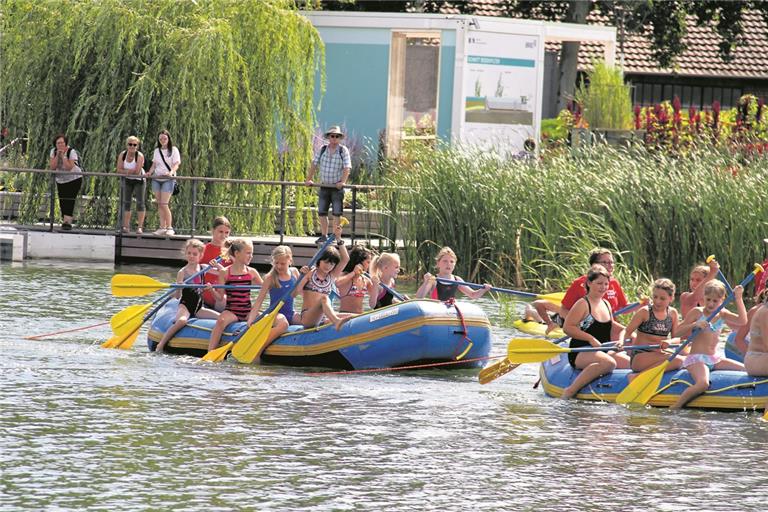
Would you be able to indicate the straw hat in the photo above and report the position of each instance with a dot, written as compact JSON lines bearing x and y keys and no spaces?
{"x":334,"y":130}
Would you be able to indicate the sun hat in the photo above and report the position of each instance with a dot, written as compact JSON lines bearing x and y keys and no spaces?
{"x":334,"y":130}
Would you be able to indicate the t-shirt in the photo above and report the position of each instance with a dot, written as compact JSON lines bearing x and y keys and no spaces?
{"x":70,"y":175}
{"x":160,"y":167}
{"x":210,"y":252}
{"x":615,"y":295}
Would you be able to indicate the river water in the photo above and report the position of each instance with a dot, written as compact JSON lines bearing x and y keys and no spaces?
{"x":84,"y":428}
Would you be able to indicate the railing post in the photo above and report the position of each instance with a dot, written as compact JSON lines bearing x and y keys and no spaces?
{"x":354,"y":211}
{"x":282,"y":211}
{"x":52,"y":201}
{"x":194,"y":207}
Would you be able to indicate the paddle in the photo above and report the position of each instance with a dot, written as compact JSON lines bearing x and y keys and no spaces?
{"x":399,"y":296}
{"x":553,"y":297}
{"x":499,"y":368}
{"x":644,"y":386}
{"x":253,"y":342}
{"x":137,"y":285}
{"x":129,"y":320}
{"x":721,"y":276}
{"x":536,"y":350}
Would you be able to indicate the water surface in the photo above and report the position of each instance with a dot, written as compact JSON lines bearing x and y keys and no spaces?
{"x":84,"y":428}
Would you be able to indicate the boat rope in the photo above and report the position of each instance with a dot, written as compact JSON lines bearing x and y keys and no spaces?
{"x":715,"y":391}
{"x":38,"y":336}
{"x":452,"y":303}
{"x":409,"y":367}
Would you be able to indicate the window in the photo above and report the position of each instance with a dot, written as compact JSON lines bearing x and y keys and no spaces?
{"x":414,"y":67}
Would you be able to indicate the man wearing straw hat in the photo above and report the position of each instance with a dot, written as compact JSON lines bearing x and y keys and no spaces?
{"x":334,"y":163}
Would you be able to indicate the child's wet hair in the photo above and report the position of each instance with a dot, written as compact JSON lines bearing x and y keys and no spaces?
{"x":357,"y":255}
{"x":234,"y":246}
{"x":221,"y":221}
{"x":445,"y":251}
{"x":595,"y":271}
{"x":383,"y":260}
{"x":194,"y":243}
{"x":331,"y":255}
{"x":715,"y":288}
{"x":664,"y":284}
{"x":700,"y":269}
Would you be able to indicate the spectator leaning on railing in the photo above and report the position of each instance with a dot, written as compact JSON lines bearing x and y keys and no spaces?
{"x":69,"y":178}
{"x":334,"y":163}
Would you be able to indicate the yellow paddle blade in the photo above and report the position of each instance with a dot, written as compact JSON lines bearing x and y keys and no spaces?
{"x":343,"y":221}
{"x":496,"y":370}
{"x":532,"y":350}
{"x":218,"y":354}
{"x":765,"y":416}
{"x":135,"y":285}
{"x":129,"y":319}
{"x":556,"y":297}
{"x":643,"y":387}
{"x":112,"y":342}
{"x":254,"y":341}
{"x":127,"y":342}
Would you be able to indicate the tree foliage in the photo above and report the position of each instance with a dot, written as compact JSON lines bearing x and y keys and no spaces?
{"x":232,"y":81}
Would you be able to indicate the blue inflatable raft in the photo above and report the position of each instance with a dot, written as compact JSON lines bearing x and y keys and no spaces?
{"x":727,"y":390}
{"x":412,"y":332}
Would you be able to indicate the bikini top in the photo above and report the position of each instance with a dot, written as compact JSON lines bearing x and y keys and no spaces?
{"x":715,"y":326}
{"x":354,"y":291}
{"x":318,"y":285}
{"x":654,"y":326}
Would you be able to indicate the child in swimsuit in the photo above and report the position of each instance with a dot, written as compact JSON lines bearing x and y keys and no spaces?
{"x":219,"y":233}
{"x":589,"y":323}
{"x":756,"y":356}
{"x":703,"y":358}
{"x":654,"y":324}
{"x":317,"y":283}
{"x":432,"y":288}
{"x":191,"y":303}
{"x":384,"y":270}
{"x":353,"y":285}
{"x":277,"y":282}
{"x":700,"y":276}
{"x":237,"y":302}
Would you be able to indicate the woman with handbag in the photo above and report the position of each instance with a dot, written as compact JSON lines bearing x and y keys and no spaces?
{"x":69,"y":178}
{"x":130,"y":163}
{"x":165,"y":162}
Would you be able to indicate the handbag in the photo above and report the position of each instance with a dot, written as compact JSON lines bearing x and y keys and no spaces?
{"x":176,"y":186}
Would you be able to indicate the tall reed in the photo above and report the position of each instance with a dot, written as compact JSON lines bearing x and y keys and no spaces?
{"x":658,"y":213}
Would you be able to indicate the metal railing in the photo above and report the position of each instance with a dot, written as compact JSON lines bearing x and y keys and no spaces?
{"x":384,"y":218}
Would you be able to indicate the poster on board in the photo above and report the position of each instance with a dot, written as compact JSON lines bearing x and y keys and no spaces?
{"x":501,"y":90}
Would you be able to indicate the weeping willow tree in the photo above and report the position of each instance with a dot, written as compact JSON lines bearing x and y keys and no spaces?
{"x":232,"y":81}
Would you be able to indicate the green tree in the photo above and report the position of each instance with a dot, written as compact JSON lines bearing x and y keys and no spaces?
{"x":232,"y":81}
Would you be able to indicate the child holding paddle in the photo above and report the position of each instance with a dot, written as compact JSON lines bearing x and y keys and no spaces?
{"x":384,"y":269}
{"x":434,"y":289}
{"x":277,"y":281}
{"x":590,"y":322}
{"x":219,"y":233}
{"x":191,"y":301}
{"x":354,"y":285}
{"x":703,"y":358}
{"x":237,"y":302}
{"x":317,"y":283}
{"x":654,"y":324}
{"x":700,"y":276}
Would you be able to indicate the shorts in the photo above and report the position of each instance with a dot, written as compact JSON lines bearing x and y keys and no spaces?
{"x":137,"y":189}
{"x":707,"y":359}
{"x":163,"y":185}
{"x":328,"y":196}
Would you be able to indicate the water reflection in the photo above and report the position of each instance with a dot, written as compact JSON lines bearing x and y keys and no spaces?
{"x":87,"y":428}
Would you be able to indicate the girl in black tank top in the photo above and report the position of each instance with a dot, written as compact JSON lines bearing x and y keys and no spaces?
{"x":585,"y":330}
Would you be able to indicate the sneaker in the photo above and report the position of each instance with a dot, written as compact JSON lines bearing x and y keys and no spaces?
{"x":139,"y":230}
{"x":169,"y":232}
{"x":321,"y":239}
{"x":66,"y":226}
{"x":160,"y":232}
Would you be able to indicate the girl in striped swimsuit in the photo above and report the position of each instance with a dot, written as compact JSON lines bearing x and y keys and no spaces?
{"x":238,"y":302}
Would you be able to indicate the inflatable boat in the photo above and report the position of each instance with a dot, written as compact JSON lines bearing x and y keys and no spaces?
{"x":727,"y":390}
{"x":406,"y":333}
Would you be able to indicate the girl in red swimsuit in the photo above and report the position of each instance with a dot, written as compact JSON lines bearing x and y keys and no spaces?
{"x":238,"y":302}
{"x":354,"y":285}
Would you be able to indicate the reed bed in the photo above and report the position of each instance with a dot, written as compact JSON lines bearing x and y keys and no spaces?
{"x":532,"y":224}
